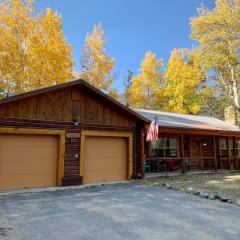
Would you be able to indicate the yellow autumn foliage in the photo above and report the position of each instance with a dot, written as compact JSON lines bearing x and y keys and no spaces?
{"x":218,"y":33}
{"x":146,"y":86}
{"x":184,"y":90}
{"x":97,"y":65}
{"x":33,"y":48}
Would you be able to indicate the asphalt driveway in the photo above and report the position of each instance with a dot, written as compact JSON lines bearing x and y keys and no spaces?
{"x":116,"y":212}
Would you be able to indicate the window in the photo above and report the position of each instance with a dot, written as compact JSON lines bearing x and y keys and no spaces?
{"x":223,"y":152}
{"x":223,"y":147}
{"x":237,"y":146}
{"x":164,"y":147}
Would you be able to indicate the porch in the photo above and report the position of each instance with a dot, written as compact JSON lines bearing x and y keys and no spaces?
{"x":180,"y":153}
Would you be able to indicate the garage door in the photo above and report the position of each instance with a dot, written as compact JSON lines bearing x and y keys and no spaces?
{"x":105,"y":159}
{"x":28,"y":161}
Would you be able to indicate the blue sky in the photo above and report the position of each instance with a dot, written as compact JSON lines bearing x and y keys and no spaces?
{"x":132,"y":27}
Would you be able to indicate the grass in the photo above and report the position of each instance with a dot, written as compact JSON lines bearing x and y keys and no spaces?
{"x":225,"y":184}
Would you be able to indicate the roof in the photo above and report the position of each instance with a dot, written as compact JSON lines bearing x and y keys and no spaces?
{"x":21,"y":96}
{"x":187,"y":121}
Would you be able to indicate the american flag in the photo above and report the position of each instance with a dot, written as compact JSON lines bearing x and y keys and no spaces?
{"x":152,"y":133}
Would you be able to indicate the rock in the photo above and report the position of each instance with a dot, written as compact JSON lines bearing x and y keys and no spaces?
{"x":217,"y":196}
{"x":155,"y":184}
{"x":169,"y":186}
{"x":201,"y":194}
{"x":213,"y":196}
{"x":195,"y":192}
{"x":205,"y":195}
{"x":164,"y":184}
{"x":238,"y":202}
{"x":224,"y":199}
{"x":230,"y":201}
{"x":190,"y":190}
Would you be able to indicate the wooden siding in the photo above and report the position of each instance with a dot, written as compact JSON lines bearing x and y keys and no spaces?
{"x":57,"y":106}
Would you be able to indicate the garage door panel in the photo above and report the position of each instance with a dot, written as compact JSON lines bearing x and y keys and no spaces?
{"x":28,"y":161}
{"x":12,"y":154}
{"x":109,"y":163}
{"x":22,"y":181}
{"x":105,"y":159}
{"x":105,"y":147}
{"x":36,"y":140}
{"x":27,"y":166}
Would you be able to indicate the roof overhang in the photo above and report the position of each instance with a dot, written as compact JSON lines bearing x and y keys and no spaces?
{"x":194,"y":131}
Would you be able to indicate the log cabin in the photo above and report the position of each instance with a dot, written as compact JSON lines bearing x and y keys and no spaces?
{"x":73,"y":133}
{"x":191,"y":143}
{"x":68,"y":134}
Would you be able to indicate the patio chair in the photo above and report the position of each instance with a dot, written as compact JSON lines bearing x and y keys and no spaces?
{"x":171,"y":166}
{"x":147,"y":167}
{"x":187,"y":164}
{"x":163,"y":166}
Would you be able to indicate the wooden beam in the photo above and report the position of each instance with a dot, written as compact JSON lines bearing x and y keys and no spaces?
{"x":234,"y":152}
{"x":182,"y":153}
{"x":61,"y":158}
{"x":199,"y":132}
{"x":17,"y":130}
{"x":201,"y":155}
{"x":149,"y":150}
{"x":142,"y":153}
{"x":215,"y":161}
{"x":228,"y":152}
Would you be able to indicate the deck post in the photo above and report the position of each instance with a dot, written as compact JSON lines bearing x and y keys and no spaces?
{"x":229,"y":153}
{"x":215,"y":161}
{"x":142,"y":152}
{"x":234,"y":152}
{"x":201,"y":156}
{"x":182,"y":153}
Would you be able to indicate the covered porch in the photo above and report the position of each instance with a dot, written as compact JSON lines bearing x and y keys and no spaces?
{"x":185,"y":152}
{"x":190,"y":143}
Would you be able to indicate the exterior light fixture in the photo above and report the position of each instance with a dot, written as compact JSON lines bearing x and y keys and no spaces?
{"x":75,"y":113}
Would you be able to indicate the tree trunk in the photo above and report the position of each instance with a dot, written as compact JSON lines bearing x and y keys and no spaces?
{"x":235,"y":95}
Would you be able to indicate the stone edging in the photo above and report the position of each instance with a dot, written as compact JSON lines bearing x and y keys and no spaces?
{"x":190,"y":190}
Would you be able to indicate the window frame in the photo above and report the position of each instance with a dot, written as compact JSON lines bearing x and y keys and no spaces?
{"x":164,"y":148}
{"x":222,"y":148}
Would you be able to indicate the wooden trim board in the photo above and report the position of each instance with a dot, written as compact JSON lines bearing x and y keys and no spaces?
{"x":127,"y":135}
{"x":60,"y":133}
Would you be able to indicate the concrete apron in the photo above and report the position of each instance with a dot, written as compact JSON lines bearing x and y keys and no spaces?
{"x":52,"y":189}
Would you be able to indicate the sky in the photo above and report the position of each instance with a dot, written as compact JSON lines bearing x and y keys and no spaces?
{"x":132,"y":27}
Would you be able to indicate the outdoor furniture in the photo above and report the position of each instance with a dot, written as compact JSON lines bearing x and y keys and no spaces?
{"x":187,"y":165}
{"x":171,"y":166}
{"x":159,"y":164}
{"x":163,"y":165}
{"x":147,"y":166}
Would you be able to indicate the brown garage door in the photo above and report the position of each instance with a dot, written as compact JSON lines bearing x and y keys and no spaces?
{"x":105,"y":159}
{"x":28,"y":161}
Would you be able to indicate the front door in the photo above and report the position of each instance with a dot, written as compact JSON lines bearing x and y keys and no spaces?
{"x":196,"y":156}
